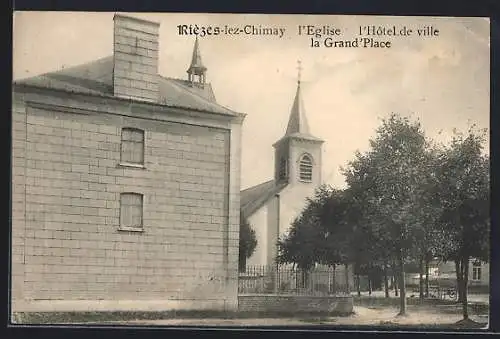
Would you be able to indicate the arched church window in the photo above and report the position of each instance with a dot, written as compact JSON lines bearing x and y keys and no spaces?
{"x":283,"y":169}
{"x":305,"y":168}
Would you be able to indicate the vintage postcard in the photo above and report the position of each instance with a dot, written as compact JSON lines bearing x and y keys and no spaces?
{"x":250,"y":170}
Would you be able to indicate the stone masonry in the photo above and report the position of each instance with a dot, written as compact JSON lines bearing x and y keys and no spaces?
{"x":67,"y":181}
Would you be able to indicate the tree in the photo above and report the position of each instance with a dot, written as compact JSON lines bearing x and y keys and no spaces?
{"x":248,"y":243}
{"x":371,"y":249}
{"x":464,"y":188}
{"x":387,"y":179}
{"x":336,"y":213}
{"x":304,"y":243}
{"x":428,"y":237}
{"x":319,"y":234}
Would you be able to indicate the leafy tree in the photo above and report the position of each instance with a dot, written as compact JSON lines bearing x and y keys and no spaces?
{"x":388,"y":178}
{"x":303,"y":245}
{"x":428,"y":236}
{"x":368,"y":249}
{"x":319,"y":234}
{"x":338,"y":225}
{"x":464,"y":191}
{"x":248,"y":243}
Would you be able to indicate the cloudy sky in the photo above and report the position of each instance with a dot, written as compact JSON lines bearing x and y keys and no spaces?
{"x":442,"y":80}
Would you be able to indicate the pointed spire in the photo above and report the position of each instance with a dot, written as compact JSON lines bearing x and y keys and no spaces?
{"x":297,"y":123}
{"x":196,"y":67}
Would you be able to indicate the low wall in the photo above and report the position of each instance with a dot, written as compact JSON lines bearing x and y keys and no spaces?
{"x":277,"y":303}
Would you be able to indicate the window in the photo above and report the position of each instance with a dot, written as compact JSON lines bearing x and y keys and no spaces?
{"x":476,"y":271}
{"x":132,"y":151}
{"x":305,"y":168}
{"x":131,"y":211}
{"x":283,"y":169}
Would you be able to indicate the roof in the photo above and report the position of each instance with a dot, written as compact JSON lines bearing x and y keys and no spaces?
{"x":298,"y":126}
{"x":196,"y":66}
{"x":253,"y":198}
{"x":297,"y":122}
{"x":96,"y":77}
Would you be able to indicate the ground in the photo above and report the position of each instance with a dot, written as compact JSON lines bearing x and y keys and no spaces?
{"x":371,"y":316}
{"x":367,"y":312}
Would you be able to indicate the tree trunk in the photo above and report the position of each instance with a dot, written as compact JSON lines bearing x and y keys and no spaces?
{"x":421,"y":280}
{"x":386,"y":281}
{"x":370,"y":287}
{"x":396,"y":283}
{"x":347,"y":288}
{"x":358,"y":284}
{"x":458,"y":272}
{"x":402,"y":287}
{"x":427,"y":276}
{"x":465,"y":280}
{"x":334,"y":282}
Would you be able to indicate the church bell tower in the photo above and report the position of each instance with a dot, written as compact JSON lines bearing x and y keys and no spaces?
{"x":298,"y":152}
{"x":197,"y":71}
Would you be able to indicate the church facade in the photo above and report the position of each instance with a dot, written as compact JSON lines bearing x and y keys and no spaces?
{"x":125,"y":185}
{"x":271,"y":207}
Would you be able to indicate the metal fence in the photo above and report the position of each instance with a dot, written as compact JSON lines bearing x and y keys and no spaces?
{"x":284,"y":279}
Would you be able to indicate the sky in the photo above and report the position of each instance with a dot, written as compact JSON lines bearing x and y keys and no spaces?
{"x":443,"y":80}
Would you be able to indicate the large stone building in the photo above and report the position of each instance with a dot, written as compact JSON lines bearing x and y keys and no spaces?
{"x":271,"y":207}
{"x":125,"y":185}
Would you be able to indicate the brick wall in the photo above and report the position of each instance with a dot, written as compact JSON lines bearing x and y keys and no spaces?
{"x":73,"y":248}
{"x":295,"y":303}
{"x":135,"y":53}
{"x":18,"y":161}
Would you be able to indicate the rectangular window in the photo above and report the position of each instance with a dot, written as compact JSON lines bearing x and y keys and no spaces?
{"x":131,"y":210}
{"x":132,"y":149}
{"x":476,"y":273}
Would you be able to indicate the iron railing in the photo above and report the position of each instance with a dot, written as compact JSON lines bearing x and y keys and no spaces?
{"x":285,"y":279}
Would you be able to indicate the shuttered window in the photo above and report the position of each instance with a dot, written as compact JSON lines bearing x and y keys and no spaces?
{"x":132,"y":149}
{"x":305,"y":168}
{"x":131,"y":210}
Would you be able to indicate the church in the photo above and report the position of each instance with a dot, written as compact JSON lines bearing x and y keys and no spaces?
{"x":125,"y":184}
{"x":271,"y":207}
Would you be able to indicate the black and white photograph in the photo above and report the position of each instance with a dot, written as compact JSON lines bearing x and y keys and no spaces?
{"x":253,"y":170}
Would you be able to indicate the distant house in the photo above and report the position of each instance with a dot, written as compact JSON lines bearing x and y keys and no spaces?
{"x":479,"y":272}
{"x":125,"y":184}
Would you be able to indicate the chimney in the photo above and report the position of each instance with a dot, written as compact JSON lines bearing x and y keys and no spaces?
{"x":135,"y":57}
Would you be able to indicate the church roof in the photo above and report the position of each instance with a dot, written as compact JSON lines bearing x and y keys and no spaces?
{"x":297,"y":122}
{"x":298,"y":126}
{"x":196,"y":66}
{"x":96,"y":78}
{"x":253,"y":198}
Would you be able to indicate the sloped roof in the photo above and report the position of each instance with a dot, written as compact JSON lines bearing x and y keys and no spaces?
{"x":96,"y":77}
{"x":297,"y":122}
{"x":298,"y":127}
{"x":196,"y":66}
{"x":253,"y":198}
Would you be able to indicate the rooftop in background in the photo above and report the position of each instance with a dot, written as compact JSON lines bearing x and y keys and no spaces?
{"x":96,"y":78}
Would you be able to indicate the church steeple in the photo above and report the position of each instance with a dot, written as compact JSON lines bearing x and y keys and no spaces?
{"x":298,"y":153}
{"x":197,"y":69}
{"x":297,"y":122}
